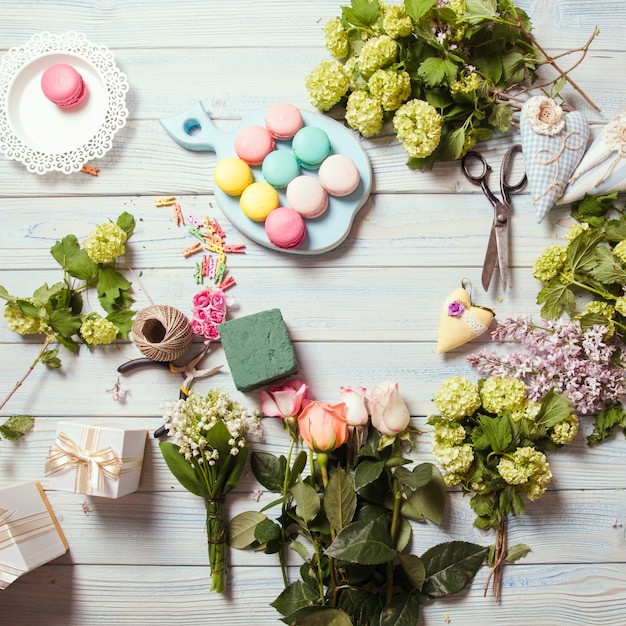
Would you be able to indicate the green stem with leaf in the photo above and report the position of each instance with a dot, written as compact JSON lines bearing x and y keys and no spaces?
{"x":322,"y":460}
{"x":395,"y":518}
{"x":281,"y":553}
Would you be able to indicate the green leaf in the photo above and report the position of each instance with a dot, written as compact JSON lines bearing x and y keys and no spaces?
{"x":606,"y":421}
{"x":111,"y":286}
{"x":498,"y":432}
{"x":127,"y":223}
{"x":554,"y":409}
{"x":269,"y":470}
{"x":414,"y":569}
{"x":594,"y":209}
{"x":451,"y":145}
{"x":307,"y":501}
{"x":64,"y":322}
{"x":450,"y":567}
{"x":490,"y":65}
{"x":482,"y":8}
{"x":4,"y":294}
{"x":295,"y":596}
{"x":401,"y":610}
{"x":367,"y":472}
{"x":300,"y":549}
{"x":123,"y":320}
{"x":555,"y":300}
{"x":606,"y":268}
{"x":514,"y":67}
{"x":615,"y":230}
{"x":298,"y":465}
{"x":516,"y":552}
{"x":362,"y":14}
{"x":319,"y":616}
{"x":65,"y":249}
{"x":74,"y":259}
{"x":181,"y":469}
{"x":16,"y":426}
{"x":416,"y":9}
{"x":50,"y":359}
{"x":241,"y":529}
{"x":435,"y":71}
{"x":365,"y":541}
{"x":427,"y":501}
{"x":340,"y":499}
{"x":501,"y":116}
{"x":580,"y":252}
{"x":267,"y":532}
{"x":418,"y":477}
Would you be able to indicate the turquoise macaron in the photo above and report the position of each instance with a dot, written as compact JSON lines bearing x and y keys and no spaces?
{"x":311,"y":146}
{"x":279,"y":168}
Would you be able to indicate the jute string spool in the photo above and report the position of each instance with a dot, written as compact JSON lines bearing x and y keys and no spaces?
{"x":162,"y":332}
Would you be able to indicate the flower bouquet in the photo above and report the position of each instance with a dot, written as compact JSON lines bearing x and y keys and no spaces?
{"x":349,"y":518}
{"x":446,"y":73}
{"x":207,"y":456}
{"x":56,"y":311}
{"x":491,"y":439}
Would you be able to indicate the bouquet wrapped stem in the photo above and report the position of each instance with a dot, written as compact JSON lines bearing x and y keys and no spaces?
{"x":217,"y":542}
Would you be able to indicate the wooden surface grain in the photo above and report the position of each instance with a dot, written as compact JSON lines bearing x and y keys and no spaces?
{"x":365,"y":312}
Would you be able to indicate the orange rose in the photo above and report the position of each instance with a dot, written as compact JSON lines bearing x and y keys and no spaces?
{"x":323,"y":426}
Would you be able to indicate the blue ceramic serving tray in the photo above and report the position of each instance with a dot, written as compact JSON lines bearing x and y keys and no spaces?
{"x":194,"y":130}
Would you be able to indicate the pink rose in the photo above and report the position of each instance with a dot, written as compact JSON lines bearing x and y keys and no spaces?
{"x":211,"y":332}
{"x":284,"y":399}
{"x":197,"y":327}
{"x":356,"y":409}
{"x":390,"y":415}
{"x":202,"y":299}
{"x":323,"y":426}
{"x":217,"y":315}
{"x":202,"y":315}
{"x":218,"y":300}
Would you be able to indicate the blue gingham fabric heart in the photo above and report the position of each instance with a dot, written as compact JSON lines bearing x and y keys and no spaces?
{"x":603,"y":168}
{"x":553,"y":143}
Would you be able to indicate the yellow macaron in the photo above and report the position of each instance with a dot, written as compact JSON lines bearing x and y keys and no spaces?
{"x":232,"y":176}
{"x":258,"y":200}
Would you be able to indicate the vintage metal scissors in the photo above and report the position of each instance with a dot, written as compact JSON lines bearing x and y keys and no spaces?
{"x":476,"y":170}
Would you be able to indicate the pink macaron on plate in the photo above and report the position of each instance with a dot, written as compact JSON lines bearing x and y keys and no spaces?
{"x":46,"y":137}
{"x":194,"y":130}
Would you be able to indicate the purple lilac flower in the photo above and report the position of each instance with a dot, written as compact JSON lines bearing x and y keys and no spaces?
{"x":558,"y":355}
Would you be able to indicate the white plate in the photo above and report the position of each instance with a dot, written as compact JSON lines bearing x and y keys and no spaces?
{"x":43,"y":136}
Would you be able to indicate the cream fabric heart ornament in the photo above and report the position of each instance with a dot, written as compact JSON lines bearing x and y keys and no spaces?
{"x":461,"y":321}
{"x":602,"y":170}
{"x":553,"y":143}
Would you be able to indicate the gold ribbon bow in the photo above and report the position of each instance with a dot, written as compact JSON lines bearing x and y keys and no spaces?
{"x":90,"y":464}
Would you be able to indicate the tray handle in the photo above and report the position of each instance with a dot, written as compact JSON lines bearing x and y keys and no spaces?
{"x":193,"y":130}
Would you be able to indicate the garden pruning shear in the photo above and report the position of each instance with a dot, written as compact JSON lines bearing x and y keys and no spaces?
{"x":476,"y":169}
{"x":188,"y":370}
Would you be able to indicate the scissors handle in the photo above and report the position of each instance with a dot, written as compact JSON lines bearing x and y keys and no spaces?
{"x":505,"y":172}
{"x":475,"y":173}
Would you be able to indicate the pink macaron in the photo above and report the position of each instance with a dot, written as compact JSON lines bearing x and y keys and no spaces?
{"x":253,"y":144}
{"x":283,"y":120}
{"x":63,"y":85}
{"x":339,"y":175}
{"x":285,"y":228}
{"x":306,"y":195}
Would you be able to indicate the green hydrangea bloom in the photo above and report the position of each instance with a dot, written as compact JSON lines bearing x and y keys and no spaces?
{"x":606,"y":309}
{"x":19,"y":322}
{"x":620,"y":306}
{"x":524,"y":465}
{"x":376,"y":53}
{"x":396,"y":23}
{"x":529,"y":411}
{"x":550,"y":263}
{"x":105,"y":243}
{"x":336,"y":38}
{"x":576,"y":229}
{"x":503,"y":394}
{"x":327,"y":84}
{"x":533,"y":489}
{"x":451,"y":478}
{"x":620,"y":251}
{"x":466,"y":84}
{"x":565,"y":431}
{"x":96,"y":330}
{"x":364,"y":113}
{"x":457,"y":398}
{"x":390,"y":87}
{"x":418,"y":127}
{"x":447,"y":432}
{"x":454,"y":459}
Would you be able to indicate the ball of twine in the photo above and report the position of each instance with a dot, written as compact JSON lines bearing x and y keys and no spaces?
{"x":162,"y":333}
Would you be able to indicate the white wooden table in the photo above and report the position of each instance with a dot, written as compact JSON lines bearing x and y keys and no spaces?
{"x":364,"y":313}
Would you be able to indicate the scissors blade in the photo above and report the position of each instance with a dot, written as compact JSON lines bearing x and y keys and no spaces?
{"x":491,"y":258}
{"x":502,"y":242}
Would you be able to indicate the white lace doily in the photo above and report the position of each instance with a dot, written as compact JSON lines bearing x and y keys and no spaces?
{"x":39,"y":134}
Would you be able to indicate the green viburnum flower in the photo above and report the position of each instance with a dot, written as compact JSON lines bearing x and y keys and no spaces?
{"x":19,"y":322}
{"x":565,"y":431}
{"x":620,"y":251}
{"x":96,"y":330}
{"x":327,"y":84}
{"x":336,"y":38}
{"x":447,"y":432}
{"x":418,"y":127}
{"x":576,"y":229}
{"x":466,"y":84}
{"x":454,"y":459}
{"x":105,"y":243}
{"x":396,"y":23}
{"x":620,"y":305}
{"x":364,"y":113}
{"x":529,"y":411}
{"x":606,"y":310}
{"x":550,"y":263}
{"x":523,"y":465}
{"x":503,"y":394}
{"x":390,"y":87}
{"x":457,"y":398}
{"x":377,"y":53}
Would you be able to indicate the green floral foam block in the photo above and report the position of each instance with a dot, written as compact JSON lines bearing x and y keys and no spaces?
{"x":258,"y":349}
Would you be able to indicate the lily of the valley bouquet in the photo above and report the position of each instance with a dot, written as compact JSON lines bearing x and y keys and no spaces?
{"x":207,"y":456}
{"x":446,"y":73}
{"x":346,"y":508}
{"x":492,"y":440}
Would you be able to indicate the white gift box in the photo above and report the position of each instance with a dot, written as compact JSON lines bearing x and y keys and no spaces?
{"x":29,"y":532}
{"x":100,"y":459}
